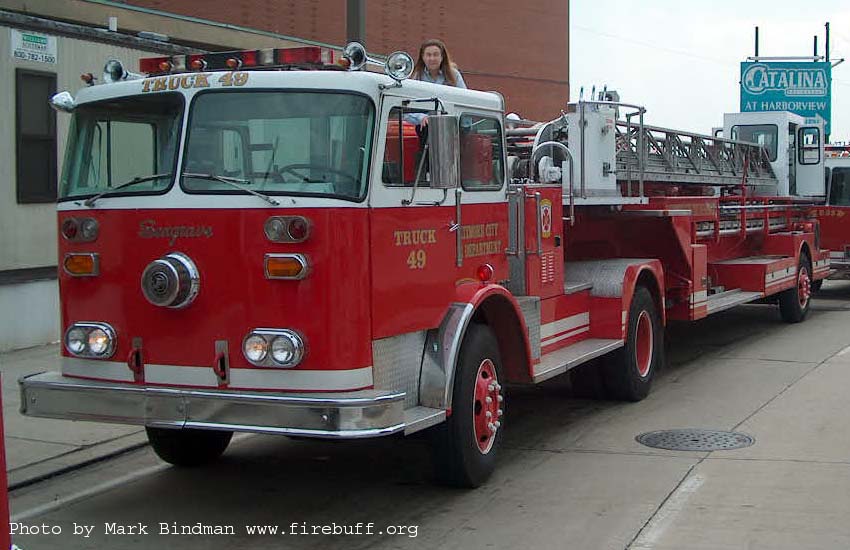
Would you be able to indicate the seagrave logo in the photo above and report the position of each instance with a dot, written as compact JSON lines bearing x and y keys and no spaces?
{"x":796,"y":81}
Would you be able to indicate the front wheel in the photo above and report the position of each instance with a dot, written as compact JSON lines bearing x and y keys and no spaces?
{"x":188,"y":447}
{"x":794,"y":303}
{"x":466,"y":444}
{"x":629,"y":371}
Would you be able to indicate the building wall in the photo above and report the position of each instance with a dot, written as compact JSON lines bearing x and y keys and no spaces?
{"x":520,"y":49}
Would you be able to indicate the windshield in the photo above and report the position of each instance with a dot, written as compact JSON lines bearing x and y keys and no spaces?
{"x":280,"y":143}
{"x":763,"y":134}
{"x":112,"y":142}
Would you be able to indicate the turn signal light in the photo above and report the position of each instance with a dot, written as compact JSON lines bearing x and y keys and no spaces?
{"x":286,"y":266}
{"x":81,"y":265}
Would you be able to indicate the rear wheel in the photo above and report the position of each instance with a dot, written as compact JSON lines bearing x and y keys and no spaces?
{"x":630,"y":370}
{"x":188,"y":447}
{"x":816,"y":285}
{"x":794,"y":302}
{"x":466,"y":445}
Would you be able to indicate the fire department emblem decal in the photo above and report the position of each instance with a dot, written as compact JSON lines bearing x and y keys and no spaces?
{"x":546,"y":218}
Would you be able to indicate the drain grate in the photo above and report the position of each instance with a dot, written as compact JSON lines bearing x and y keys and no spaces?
{"x":695,"y":440}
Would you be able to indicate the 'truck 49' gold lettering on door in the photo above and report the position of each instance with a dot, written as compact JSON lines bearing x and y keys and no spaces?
{"x":417,"y":258}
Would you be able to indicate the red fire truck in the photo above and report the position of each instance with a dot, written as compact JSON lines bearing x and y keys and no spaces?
{"x":835,"y":229}
{"x":269,"y":241}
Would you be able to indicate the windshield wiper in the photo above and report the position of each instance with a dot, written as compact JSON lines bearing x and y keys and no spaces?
{"x":91,"y":200}
{"x":235,"y":182}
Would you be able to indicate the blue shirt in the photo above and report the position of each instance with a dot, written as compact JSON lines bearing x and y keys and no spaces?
{"x":441,"y":78}
{"x":416,"y":118}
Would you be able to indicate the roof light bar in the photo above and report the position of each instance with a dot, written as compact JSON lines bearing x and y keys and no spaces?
{"x":224,"y":61}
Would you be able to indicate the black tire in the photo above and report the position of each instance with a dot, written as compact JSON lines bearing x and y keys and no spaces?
{"x":459,"y":458}
{"x":188,"y":447}
{"x":629,"y":371}
{"x":794,"y":303}
{"x":816,"y":285}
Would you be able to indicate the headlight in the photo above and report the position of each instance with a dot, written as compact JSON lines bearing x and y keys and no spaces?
{"x":98,"y":341}
{"x":287,"y":349}
{"x":256,"y":349}
{"x":90,"y":339}
{"x":76,"y":340}
{"x":268,"y":347}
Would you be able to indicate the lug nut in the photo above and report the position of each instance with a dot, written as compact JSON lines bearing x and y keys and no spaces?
{"x":498,"y":424}
{"x":491,"y":427}
{"x":500,"y":412}
{"x":488,"y":414}
{"x":499,"y":398}
{"x":488,"y":399}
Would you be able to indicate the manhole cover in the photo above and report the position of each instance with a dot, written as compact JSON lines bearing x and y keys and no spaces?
{"x":695,"y":440}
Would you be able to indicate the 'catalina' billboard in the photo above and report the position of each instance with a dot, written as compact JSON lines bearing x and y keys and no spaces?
{"x":800,"y":87}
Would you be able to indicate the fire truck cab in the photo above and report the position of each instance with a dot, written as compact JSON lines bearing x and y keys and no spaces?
{"x":267,"y":242}
{"x":835,"y":230}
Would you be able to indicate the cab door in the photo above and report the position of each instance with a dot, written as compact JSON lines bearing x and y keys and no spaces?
{"x":428,"y":241}
{"x":809,"y":160}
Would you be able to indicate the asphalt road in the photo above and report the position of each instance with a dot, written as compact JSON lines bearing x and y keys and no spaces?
{"x":571,"y":474}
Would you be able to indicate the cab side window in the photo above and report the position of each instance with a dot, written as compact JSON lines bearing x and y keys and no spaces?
{"x":481,"y":154}
{"x":809,"y":146}
{"x":403,"y":148}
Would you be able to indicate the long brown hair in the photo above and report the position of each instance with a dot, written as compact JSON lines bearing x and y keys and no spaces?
{"x":446,"y":65}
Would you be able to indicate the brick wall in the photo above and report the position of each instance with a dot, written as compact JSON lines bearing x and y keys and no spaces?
{"x":517,"y":48}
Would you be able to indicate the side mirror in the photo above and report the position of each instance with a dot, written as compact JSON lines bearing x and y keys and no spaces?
{"x":444,"y":151}
{"x":63,"y":101}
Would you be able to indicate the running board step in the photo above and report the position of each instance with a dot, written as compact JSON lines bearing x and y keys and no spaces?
{"x":730,"y":299}
{"x":419,"y":418}
{"x":562,"y":360}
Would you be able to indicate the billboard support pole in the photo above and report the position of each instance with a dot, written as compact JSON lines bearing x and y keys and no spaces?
{"x":757,"y":41}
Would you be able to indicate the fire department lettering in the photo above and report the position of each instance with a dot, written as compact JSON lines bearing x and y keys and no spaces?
{"x":415,"y":237}
{"x":483,"y":248}
{"x":162,"y":83}
{"x":149,"y":230}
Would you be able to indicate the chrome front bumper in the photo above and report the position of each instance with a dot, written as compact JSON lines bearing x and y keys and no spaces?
{"x":366,"y":413}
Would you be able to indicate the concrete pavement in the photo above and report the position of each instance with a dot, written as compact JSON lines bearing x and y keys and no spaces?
{"x":37,"y":447}
{"x":572,"y":475}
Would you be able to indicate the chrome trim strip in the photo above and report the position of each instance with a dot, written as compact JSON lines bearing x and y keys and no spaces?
{"x":93,"y":368}
{"x":180,"y":376}
{"x":567,"y":323}
{"x":264,"y":379}
{"x":326,"y":380}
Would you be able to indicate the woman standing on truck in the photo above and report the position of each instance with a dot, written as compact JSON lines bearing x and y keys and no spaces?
{"x":435,"y":65}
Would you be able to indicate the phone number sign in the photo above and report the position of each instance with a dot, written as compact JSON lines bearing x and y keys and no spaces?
{"x":33,"y":46}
